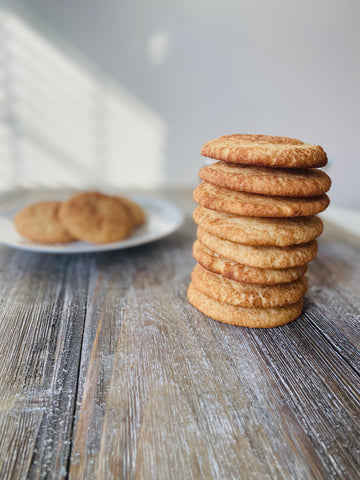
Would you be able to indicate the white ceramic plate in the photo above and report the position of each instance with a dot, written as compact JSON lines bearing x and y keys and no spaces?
{"x":162,"y":216}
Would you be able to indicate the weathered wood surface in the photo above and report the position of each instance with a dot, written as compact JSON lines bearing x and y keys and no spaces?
{"x":107,"y":372}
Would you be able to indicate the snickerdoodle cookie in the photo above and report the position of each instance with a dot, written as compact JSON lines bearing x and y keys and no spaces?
{"x":243,"y":273}
{"x":267,"y":181}
{"x":242,"y":294}
{"x":259,"y":256}
{"x":254,"y":205}
{"x":279,"y":232}
{"x":244,"y":317}
{"x":40,"y":223}
{"x":97,"y":218}
{"x":136,"y":212}
{"x":266,"y":151}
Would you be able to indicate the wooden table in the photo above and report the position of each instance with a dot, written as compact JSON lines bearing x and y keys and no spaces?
{"x":106,"y":371}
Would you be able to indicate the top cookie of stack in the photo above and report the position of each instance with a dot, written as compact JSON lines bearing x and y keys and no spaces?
{"x":257,"y":225}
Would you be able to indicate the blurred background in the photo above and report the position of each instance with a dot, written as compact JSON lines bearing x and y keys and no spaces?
{"x":124,"y":94}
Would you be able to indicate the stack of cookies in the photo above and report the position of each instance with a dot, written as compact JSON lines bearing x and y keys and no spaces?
{"x":257,"y":227}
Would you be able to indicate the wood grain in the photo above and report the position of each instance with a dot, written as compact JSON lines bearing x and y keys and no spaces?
{"x":42,"y":320}
{"x":106,"y":371}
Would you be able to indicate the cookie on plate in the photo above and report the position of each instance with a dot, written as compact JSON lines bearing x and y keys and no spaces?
{"x":267,"y":181}
{"x":254,"y":205}
{"x":243,"y":294}
{"x":40,"y":222}
{"x":136,"y":212}
{"x":278,"y":232}
{"x":97,"y":218}
{"x":243,"y":273}
{"x":259,"y":256}
{"x":241,"y":316}
{"x":266,"y":151}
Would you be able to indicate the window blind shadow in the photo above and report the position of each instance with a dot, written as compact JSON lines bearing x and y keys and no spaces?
{"x":64,"y":123}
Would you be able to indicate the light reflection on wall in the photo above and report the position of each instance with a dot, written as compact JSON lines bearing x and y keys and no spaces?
{"x":63,"y":123}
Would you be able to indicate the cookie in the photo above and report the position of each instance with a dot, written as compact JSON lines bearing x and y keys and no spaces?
{"x":254,"y":205}
{"x":243,"y":273}
{"x":265,"y":151}
{"x":241,"y":294}
{"x":278,"y":232}
{"x":96,"y":218}
{"x":40,"y":223}
{"x":258,"y":256}
{"x":267,"y":181}
{"x":240,"y":316}
{"x":136,"y":212}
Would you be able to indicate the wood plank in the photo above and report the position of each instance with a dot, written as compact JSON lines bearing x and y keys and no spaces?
{"x":41,"y":313}
{"x":110,"y":277}
{"x":322,"y":392}
{"x":334,"y":288}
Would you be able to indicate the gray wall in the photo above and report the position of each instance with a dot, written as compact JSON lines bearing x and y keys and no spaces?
{"x":210,"y":68}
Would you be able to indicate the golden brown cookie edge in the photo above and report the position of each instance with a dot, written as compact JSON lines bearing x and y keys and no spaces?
{"x":243,"y":317}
